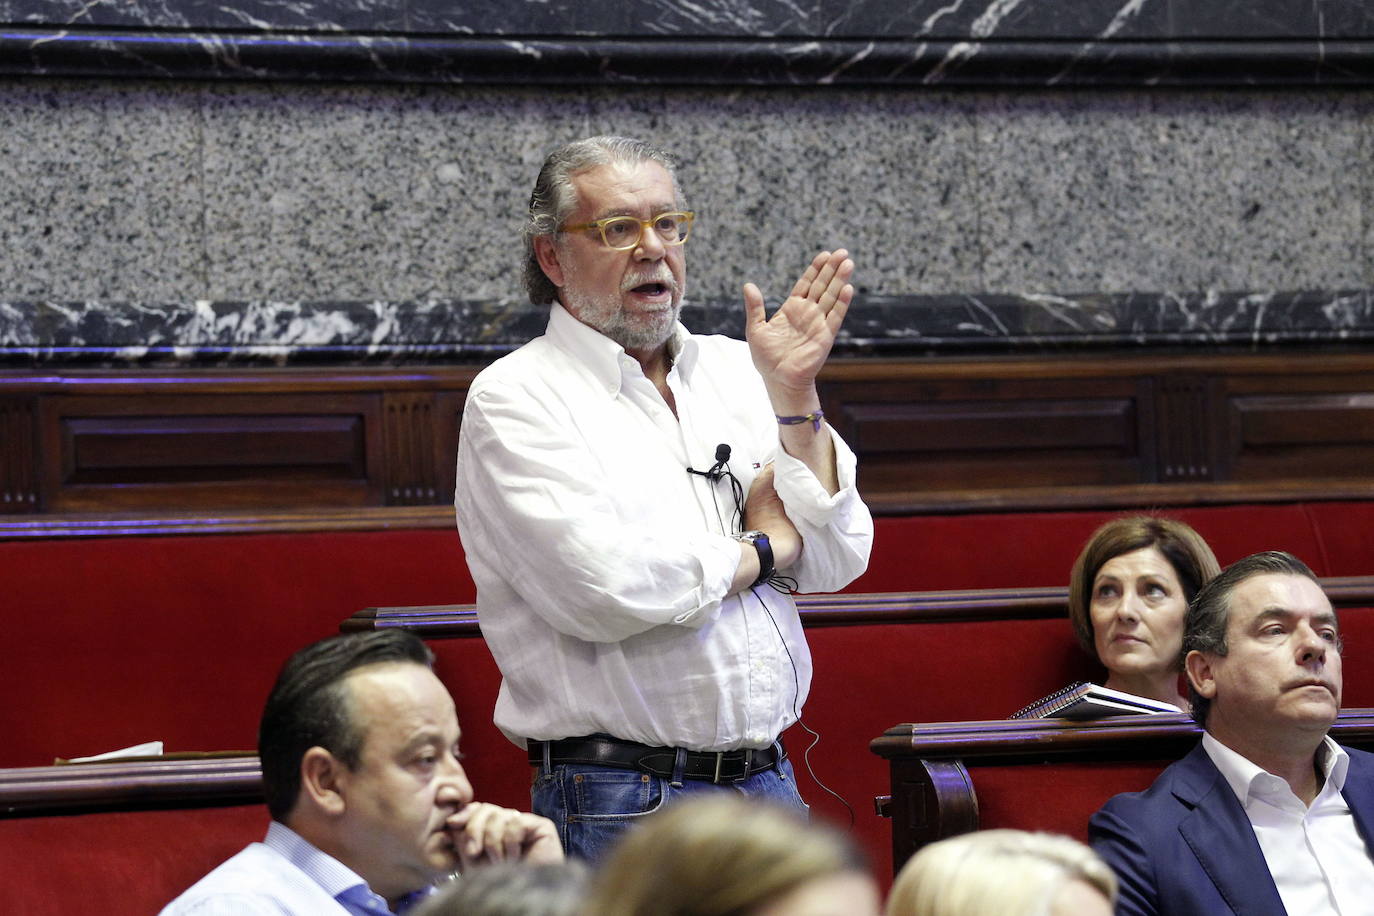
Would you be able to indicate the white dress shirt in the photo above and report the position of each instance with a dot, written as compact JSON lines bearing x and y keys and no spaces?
{"x":602,"y":566}
{"x":284,"y":874}
{"x":1315,"y":854}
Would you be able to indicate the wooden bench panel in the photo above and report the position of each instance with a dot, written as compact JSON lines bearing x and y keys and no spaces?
{"x":964,"y":434}
{"x":1040,"y":774}
{"x":225,"y":450}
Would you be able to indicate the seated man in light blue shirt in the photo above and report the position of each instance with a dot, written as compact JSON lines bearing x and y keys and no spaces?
{"x":370,"y":805}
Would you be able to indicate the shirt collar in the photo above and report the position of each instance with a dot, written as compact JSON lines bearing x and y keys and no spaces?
{"x":684,"y":349}
{"x":1244,"y":777}
{"x":605,"y":359}
{"x":335,"y":878}
{"x":1335,"y":762}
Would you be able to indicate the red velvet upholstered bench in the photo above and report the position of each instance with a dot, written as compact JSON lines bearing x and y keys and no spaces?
{"x":118,"y":640}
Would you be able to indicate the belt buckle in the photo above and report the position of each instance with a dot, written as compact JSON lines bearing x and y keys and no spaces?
{"x":746,"y":760}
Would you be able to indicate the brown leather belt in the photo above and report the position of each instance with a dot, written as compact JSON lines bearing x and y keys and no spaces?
{"x":605,"y":751}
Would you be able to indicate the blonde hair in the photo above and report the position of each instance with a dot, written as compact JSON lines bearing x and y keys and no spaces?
{"x":1192,"y":560}
{"x":1008,"y":872}
{"x":719,"y":855}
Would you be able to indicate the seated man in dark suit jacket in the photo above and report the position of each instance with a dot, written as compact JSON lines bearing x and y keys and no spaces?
{"x":1267,"y":815}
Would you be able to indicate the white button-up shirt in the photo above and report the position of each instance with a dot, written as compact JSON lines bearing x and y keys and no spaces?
{"x":1315,"y":854}
{"x":602,"y":566}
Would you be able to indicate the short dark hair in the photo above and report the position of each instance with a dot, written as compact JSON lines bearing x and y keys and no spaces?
{"x":308,"y":707}
{"x":1204,"y":626}
{"x":1186,"y":551}
{"x":554,"y":196}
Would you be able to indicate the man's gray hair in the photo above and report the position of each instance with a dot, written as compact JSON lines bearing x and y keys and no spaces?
{"x":554,"y":196}
{"x":1204,"y":627}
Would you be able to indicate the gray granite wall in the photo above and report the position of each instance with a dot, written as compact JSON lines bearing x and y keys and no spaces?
{"x":343,"y":179}
{"x":172,"y":192}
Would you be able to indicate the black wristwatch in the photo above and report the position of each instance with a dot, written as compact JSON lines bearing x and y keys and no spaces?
{"x":765,"y":552}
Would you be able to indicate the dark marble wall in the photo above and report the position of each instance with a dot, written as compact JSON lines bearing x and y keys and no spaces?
{"x":328,"y":180}
{"x":210,"y":333}
{"x":737,"y":42}
{"x":832,"y":19}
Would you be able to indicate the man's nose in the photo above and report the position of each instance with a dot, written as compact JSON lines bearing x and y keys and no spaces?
{"x":650,"y":247}
{"x":454,"y":787}
{"x":1311,"y":647}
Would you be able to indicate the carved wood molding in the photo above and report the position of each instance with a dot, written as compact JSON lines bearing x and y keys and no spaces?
{"x":446,"y":621}
{"x":933,"y":768}
{"x":896,"y":504}
{"x":436,"y":621}
{"x":411,"y":468}
{"x":128,"y":785}
{"x":19,"y":460}
{"x":365,"y":518}
{"x":1026,"y":740}
{"x":1080,"y":366}
{"x":1120,"y":496}
{"x":332,"y":449}
{"x":207,"y":381}
{"x":1186,"y":446}
{"x":931,"y":799}
{"x":460,"y":620}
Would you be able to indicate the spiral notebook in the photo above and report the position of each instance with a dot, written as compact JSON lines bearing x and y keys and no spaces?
{"x":1091,"y":701}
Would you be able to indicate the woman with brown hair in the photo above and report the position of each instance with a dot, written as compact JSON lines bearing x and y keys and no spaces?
{"x":725,"y":855}
{"x":1128,"y":593}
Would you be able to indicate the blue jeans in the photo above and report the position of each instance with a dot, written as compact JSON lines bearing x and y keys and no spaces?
{"x":593,"y":805}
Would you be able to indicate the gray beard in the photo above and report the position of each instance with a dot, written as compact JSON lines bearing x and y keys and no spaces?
{"x":608,"y":315}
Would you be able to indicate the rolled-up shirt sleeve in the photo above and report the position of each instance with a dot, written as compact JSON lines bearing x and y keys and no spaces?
{"x":837,"y":530}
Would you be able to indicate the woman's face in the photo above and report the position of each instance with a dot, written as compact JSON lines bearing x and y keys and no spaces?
{"x":1136,"y":607}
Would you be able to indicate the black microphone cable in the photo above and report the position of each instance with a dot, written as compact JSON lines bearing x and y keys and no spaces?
{"x":780,"y":583}
{"x":718,"y":471}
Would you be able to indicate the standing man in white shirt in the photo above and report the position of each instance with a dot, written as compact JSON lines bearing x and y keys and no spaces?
{"x":637,"y":503}
{"x":1267,"y":814}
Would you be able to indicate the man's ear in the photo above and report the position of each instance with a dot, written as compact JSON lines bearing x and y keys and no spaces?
{"x":324,"y":781}
{"x":1200,"y":674}
{"x":547,"y":254}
